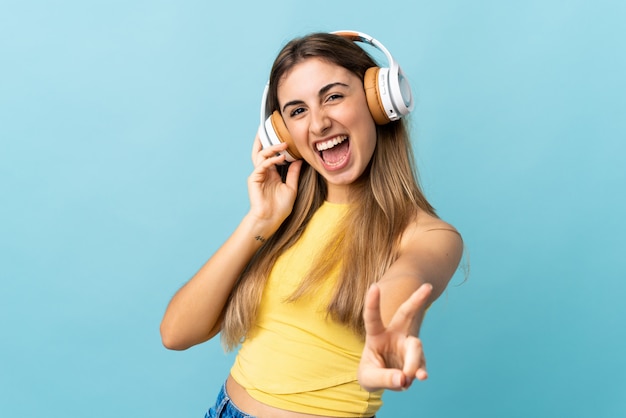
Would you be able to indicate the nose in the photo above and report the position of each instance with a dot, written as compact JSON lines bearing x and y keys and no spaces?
{"x":319,"y":122}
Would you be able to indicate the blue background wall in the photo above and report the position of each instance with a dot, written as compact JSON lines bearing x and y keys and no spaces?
{"x":125,"y":131}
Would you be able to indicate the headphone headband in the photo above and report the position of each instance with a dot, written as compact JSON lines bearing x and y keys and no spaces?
{"x":366,"y":39}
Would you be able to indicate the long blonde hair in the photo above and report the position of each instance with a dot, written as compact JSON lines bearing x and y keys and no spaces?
{"x":388,"y":196}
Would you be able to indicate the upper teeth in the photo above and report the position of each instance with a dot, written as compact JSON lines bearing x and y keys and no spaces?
{"x":321,"y":146}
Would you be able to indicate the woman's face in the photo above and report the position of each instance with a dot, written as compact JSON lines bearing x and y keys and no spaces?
{"x":325,"y":110}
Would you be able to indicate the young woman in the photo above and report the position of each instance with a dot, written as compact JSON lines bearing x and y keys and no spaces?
{"x":325,"y":281}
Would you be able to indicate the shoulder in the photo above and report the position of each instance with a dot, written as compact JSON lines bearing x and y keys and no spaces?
{"x":431,"y":246}
{"x":426,"y":228}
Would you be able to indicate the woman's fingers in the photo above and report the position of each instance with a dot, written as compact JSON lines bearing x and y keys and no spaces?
{"x":371,"y":312}
{"x":421,"y":374}
{"x":293,"y":174}
{"x":414,"y":360}
{"x":260,"y":154}
{"x":403,"y":318}
{"x":372,"y":379}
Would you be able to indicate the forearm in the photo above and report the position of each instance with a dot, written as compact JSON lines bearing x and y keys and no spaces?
{"x":194,"y":313}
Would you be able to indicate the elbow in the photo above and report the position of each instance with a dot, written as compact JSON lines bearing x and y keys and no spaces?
{"x":172,"y":344}
{"x":171,"y":340}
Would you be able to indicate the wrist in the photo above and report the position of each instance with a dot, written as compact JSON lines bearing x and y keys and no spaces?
{"x":259,"y":230}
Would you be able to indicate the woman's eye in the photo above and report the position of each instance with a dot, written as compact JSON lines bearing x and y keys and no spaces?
{"x":333,"y":97}
{"x":296,"y":111}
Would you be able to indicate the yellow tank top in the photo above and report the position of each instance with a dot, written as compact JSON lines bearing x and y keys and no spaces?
{"x":296,"y":358}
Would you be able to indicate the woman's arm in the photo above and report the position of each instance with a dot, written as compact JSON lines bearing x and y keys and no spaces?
{"x":394,"y":309}
{"x":194,"y":314}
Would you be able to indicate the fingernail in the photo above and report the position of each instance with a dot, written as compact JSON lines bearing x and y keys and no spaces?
{"x":397,"y":380}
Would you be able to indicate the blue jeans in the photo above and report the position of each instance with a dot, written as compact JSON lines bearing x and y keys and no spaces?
{"x":225,"y":408}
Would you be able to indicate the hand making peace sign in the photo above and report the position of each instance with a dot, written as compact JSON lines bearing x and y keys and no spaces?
{"x":392,"y":357}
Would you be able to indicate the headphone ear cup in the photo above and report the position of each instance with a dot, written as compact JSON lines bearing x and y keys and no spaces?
{"x":282,"y":133}
{"x":372,"y":94}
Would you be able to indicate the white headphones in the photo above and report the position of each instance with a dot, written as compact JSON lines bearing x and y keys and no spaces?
{"x":387,"y":91}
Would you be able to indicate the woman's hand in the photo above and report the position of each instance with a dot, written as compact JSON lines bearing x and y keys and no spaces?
{"x":271,"y":200}
{"x":392,"y":357}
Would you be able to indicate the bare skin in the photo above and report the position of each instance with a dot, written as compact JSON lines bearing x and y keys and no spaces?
{"x":251,"y":406}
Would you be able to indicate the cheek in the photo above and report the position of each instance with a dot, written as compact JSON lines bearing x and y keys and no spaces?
{"x":372,"y":142}
{"x":364,"y":117}
{"x":369,"y":132}
{"x":298,"y":133}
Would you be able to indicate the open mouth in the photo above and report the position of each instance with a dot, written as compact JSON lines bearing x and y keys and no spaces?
{"x":334,"y":151}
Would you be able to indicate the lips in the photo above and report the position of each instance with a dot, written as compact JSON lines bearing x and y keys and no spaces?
{"x":334,"y":151}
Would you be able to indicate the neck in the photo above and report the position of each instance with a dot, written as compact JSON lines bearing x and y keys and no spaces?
{"x":345,"y":193}
{"x":338,"y":193}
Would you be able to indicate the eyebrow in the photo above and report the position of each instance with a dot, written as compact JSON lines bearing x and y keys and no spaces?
{"x":322,"y":92}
